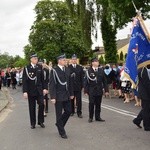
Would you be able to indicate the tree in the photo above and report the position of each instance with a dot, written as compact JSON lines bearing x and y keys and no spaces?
{"x":21,"y":62}
{"x":8,"y":61}
{"x":121,"y":56}
{"x":27,"y":51}
{"x":55,"y":31}
{"x":125,"y":56}
{"x":113,"y":15}
{"x":101,"y":60}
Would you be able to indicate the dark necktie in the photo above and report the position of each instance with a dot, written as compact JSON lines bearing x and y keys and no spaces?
{"x":63,"y":69}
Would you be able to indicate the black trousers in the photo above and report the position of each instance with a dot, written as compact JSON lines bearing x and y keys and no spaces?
{"x":146,"y":114}
{"x":63,"y":111}
{"x":139,"y":117}
{"x":77,"y":96}
{"x":95,"y":103}
{"x":8,"y":82}
{"x":46,"y":102}
{"x":32,"y":108}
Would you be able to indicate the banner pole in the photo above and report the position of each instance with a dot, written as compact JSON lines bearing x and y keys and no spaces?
{"x":141,"y":21}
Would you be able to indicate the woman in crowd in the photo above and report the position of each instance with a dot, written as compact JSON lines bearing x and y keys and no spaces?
{"x":13,"y":78}
{"x":125,"y":86}
{"x":8,"y":77}
{"x":110,"y":76}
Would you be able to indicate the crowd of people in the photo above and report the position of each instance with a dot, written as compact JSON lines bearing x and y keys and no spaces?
{"x":10,"y":77}
{"x":65,"y":82}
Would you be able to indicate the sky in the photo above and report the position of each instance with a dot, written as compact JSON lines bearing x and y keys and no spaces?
{"x":16,"y":19}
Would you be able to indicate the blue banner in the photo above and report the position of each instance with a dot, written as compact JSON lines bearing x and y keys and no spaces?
{"x":138,"y":53}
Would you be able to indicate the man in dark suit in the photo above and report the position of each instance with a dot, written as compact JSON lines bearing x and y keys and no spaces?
{"x":61,"y":91}
{"x":77,"y":75}
{"x":144,"y":95}
{"x":95,"y":81}
{"x":45,"y":68}
{"x":34,"y":88}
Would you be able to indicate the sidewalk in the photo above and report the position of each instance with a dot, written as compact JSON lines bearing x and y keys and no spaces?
{"x":4,"y":99}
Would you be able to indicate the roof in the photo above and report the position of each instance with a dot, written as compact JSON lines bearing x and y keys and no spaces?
{"x":120,"y":43}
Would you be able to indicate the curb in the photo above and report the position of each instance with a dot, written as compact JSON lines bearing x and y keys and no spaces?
{"x":5,"y":92}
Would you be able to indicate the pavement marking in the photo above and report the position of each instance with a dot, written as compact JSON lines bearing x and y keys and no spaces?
{"x":117,"y":110}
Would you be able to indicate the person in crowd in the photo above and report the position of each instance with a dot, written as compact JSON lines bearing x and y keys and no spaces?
{"x":45,"y":68}
{"x":18,"y":77}
{"x":8,"y":77}
{"x":77,"y":75}
{"x":0,"y":79}
{"x":115,"y":80}
{"x":137,"y":100}
{"x":110,"y":76}
{"x":95,"y":81}
{"x":125,"y":86}
{"x":34,"y":89}
{"x":13,"y":78}
{"x":3,"y":77}
{"x":61,"y":92}
{"x":118,"y":81}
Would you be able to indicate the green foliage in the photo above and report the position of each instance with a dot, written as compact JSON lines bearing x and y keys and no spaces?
{"x":8,"y":61}
{"x":121,"y":56}
{"x":125,"y":56}
{"x":20,"y":62}
{"x":117,"y":57}
{"x":55,"y":31}
{"x":27,"y":51}
{"x":113,"y":15}
{"x":85,"y":17}
{"x":101,"y":60}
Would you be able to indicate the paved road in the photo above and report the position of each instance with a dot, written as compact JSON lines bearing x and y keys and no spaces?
{"x":117,"y":133}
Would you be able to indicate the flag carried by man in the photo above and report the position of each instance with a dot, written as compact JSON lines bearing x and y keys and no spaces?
{"x":138,"y":52}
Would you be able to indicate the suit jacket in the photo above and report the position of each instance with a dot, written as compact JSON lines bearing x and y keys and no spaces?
{"x":77,"y":75}
{"x":143,"y":85}
{"x":46,"y":76}
{"x":95,"y":88}
{"x":33,"y":87}
{"x":13,"y":77}
{"x":58,"y":91}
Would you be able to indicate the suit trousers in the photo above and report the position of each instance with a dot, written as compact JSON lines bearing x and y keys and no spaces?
{"x":95,"y":103}
{"x":139,"y":117}
{"x":146,"y":114}
{"x":77,"y":97}
{"x":32,"y":108}
{"x":63,"y":111}
{"x":46,"y":102}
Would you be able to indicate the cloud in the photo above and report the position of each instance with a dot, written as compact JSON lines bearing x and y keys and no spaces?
{"x":17,"y":17}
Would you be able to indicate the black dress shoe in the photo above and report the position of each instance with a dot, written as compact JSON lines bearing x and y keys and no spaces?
{"x":32,"y":126}
{"x":147,"y":129}
{"x":90,"y":120}
{"x":137,"y":124}
{"x":64,"y":136}
{"x":42,"y":125}
{"x":100,"y":119}
{"x":80,"y":116}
